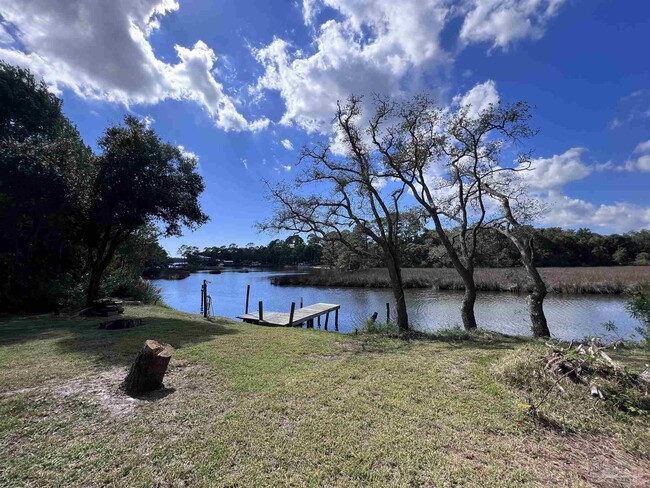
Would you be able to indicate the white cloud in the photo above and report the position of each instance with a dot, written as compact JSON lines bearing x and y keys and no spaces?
{"x":187,"y":153}
{"x":502,"y":22}
{"x":371,"y":48}
{"x":245,"y":163}
{"x":285,"y":167}
{"x":572,"y":212}
{"x":480,"y":97}
{"x":101,"y":50}
{"x":640,"y":163}
{"x":546,"y":182}
{"x":643,"y":147}
{"x":287,"y":144}
{"x":383,"y":46}
{"x":558,"y":170}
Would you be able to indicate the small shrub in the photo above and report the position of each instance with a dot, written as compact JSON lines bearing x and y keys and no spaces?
{"x":638,"y":306}
{"x":373,"y":327}
{"x":122,"y":286}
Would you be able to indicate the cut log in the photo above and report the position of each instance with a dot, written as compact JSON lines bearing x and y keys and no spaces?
{"x":149,"y":368}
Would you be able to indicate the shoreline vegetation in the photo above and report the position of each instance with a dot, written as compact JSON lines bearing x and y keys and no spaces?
{"x":604,"y":280}
{"x":239,"y":401}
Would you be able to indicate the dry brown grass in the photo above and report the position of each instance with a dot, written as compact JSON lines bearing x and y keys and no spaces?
{"x":601,"y":280}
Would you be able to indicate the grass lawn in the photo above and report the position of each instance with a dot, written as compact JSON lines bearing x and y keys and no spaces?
{"x":253,"y":406}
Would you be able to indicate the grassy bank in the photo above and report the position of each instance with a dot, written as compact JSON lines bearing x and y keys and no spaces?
{"x":603,"y":280}
{"x":253,"y":406}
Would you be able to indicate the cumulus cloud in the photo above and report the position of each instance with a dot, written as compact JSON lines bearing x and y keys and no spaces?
{"x":502,"y":22}
{"x":550,"y":175}
{"x":573,"y":212}
{"x":558,"y":170}
{"x":383,"y":46}
{"x":641,"y":162}
{"x":101,"y":50}
{"x":643,"y":147}
{"x":369,"y":48}
{"x":287,"y":144}
{"x":479,"y":97}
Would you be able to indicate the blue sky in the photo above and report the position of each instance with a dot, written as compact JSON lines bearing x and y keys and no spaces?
{"x":243,"y":85}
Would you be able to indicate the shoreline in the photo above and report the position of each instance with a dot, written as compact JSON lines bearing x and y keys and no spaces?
{"x":613,"y":280}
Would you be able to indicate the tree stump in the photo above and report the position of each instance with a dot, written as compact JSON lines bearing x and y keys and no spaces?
{"x":149,"y":368}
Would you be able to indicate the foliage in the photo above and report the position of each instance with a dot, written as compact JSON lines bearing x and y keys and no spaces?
{"x":44,"y":172}
{"x":65,"y":211}
{"x":556,"y":380}
{"x":141,"y":181}
{"x":638,"y":306}
{"x":379,"y":328}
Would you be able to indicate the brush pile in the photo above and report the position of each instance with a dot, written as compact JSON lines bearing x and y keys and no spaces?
{"x":575,"y":372}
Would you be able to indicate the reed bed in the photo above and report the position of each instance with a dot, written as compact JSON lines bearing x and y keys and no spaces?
{"x":587,"y":280}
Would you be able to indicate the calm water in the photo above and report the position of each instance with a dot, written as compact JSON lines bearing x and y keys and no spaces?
{"x":569,"y":317}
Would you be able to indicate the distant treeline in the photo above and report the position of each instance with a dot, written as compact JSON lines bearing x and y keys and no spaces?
{"x":422,"y":248}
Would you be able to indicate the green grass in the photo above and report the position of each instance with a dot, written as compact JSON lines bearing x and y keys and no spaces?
{"x":598,"y":280}
{"x":253,"y":406}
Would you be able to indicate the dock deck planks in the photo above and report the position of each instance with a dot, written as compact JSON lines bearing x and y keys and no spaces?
{"x":281,"y":319}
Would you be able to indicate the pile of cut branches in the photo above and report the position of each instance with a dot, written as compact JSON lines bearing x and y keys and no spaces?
{"x":576,"y":372}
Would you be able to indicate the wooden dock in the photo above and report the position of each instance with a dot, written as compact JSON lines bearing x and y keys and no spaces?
{"x":294,"y":318}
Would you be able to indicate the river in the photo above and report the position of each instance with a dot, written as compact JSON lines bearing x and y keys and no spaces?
{"x":569,"y":316}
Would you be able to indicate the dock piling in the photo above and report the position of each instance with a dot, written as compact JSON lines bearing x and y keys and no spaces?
{"x":336,"y":320}
{"x":327,"y":317}
{"x":387,"y":312}
{"x":261,"y":310}
{"x":248,"y":294}
{"x":293,"y":309}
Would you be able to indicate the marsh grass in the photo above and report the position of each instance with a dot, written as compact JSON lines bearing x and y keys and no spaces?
{"x":254,"y":406}
{"x":597,"y":280}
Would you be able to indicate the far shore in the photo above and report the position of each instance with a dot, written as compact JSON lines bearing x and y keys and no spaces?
{"x":608,"y":280}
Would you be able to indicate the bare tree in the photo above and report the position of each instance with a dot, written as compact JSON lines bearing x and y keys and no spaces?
{"x":516,"y":207}
{"x":350,"y":192}
{"x":442,"y":157}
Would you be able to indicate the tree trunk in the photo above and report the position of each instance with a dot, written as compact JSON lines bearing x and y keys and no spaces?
{"x":536,"y":311}
{"x":467,"y":308}
{"x":93,"y":286}
{"x":397,"y":285}
{"x":149,"y":368}
{"x":536,"y":297}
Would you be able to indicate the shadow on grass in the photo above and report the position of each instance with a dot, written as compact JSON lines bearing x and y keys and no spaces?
{"x":82,"y":336}
{"x":480,"y":339}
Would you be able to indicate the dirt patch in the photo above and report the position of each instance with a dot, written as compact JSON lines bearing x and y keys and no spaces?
{"x":600,"y":460}
{"x":104,"y":388}
{"x":597,"y":460}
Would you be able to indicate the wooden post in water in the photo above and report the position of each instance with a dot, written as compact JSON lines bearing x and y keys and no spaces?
{"x":260,"y":309}
{"x":336,"y":320}
{"x":248,"y":294}
{"x":387,"y":312}
{"x":204,"y":298}
{"x":300,"y":302}
{"x":319,"y":321}
{"x":327,"y":317}
{"x":293,"y":308}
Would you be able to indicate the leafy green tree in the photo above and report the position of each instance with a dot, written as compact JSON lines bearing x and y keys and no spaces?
{"x":45,"y":182}
{"x":141,"y":180}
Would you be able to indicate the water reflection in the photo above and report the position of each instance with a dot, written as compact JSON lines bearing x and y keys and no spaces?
{"x":569,"y":317}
